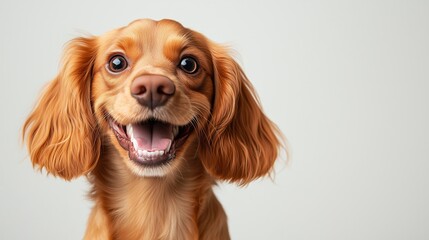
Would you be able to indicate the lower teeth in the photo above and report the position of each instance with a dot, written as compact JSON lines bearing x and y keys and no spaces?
{"x":152,"y":154}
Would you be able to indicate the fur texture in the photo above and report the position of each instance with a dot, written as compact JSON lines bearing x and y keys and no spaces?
{"x":228,"y":138}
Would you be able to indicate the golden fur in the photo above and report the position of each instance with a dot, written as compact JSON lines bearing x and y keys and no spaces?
{"x":68,"y":132}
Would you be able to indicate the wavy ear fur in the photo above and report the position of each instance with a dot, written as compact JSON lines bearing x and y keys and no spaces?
{"x":61,"y":132}
{"x":242,"y":144}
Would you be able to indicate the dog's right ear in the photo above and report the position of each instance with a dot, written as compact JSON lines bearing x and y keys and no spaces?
{"x":61,"y":132}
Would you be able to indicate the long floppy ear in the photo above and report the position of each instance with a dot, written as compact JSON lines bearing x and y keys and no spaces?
{"x":242,"y":144}
{"x":61,"y":132}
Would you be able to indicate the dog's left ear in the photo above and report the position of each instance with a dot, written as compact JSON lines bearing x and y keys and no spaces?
{"x":241,"y":142}
{"x":61,"y":132}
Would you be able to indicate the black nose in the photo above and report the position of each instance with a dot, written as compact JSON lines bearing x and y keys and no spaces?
{"x":152,"y":90}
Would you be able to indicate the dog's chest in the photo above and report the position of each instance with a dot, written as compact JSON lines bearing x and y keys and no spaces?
{"x":145,"y":212}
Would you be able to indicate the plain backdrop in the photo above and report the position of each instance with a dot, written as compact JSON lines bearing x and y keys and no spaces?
{"x":346,"y":81}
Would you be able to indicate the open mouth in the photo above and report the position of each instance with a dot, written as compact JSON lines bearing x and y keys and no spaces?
{"x":151,"y":142}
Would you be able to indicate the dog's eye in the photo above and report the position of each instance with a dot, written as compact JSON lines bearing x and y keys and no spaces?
{"x":117,"y":64}
{"x":188,"y":65}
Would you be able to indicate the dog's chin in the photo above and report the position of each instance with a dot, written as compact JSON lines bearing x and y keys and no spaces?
{"x":152,"y":145}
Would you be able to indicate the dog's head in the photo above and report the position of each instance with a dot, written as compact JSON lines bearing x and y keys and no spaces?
{"x":159,"y":93}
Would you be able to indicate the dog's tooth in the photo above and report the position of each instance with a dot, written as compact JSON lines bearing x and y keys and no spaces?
{"x":175,"y":131}
{"x":168,"y":147}
{"x":144,"y":153}
{"x":161,"y":153}
{"x":129,"y":129}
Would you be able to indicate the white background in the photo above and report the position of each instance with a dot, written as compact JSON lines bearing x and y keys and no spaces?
{"x":346,"y":81}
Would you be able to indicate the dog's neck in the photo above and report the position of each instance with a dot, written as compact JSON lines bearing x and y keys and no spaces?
{"x":145,"y":208}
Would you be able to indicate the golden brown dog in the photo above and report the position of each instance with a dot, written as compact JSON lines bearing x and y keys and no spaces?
{"x":153,"y":114}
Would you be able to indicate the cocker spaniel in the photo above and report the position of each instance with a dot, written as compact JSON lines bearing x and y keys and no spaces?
{"x":153,"y":114}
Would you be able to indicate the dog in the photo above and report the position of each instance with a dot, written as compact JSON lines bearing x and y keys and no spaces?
{"x":153,"y":114}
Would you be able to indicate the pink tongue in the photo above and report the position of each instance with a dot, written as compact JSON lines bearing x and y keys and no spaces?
{"x":152,"y":136}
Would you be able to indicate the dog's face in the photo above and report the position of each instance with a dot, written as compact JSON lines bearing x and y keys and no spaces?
{"x":160,"y":94}
{"x":152,"y":89}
